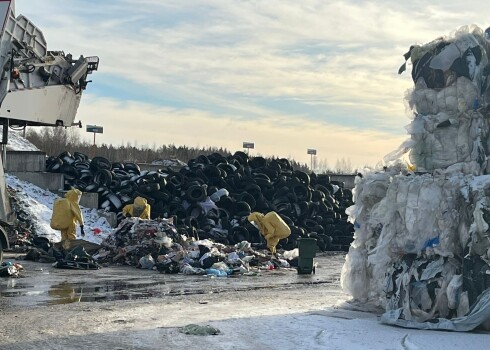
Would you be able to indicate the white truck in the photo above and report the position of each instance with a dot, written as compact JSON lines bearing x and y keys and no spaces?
{"x":37,"y":88}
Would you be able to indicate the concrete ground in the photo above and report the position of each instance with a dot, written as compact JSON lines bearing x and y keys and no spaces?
{"x":122,"y":307}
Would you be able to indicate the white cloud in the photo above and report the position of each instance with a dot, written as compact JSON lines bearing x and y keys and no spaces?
{"x":284,"y":136}
{"x":219,"y":55}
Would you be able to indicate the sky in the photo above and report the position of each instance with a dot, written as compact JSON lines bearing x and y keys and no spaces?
{"x":286,"y":75}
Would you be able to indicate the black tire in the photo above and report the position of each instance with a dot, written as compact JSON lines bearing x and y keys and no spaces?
{"x":82,"y":164}
{"x":302,"y":176}
{"x":132,"y":167}
{"x":212,"y":171}
{"x":70,"y":172}
{"x":202,"y":159}
{"x":115,"y":201}
{"x":149,"y":188}
{"x":271,"y":173}
{"x":92,"y":188}
{"x":302,"y":192}
{"x":247,"y":197}
{"x":196,"y":193}
{"x":242,"y":208}
{"x":80,"y":156}
{"x":162,"y":195}
{"x":117,"y":165}
{"x":99,"y":163}
{"x":239,"y":234}
{"x":229,"y":169}
{"x":1,"y":251}
{"x":257,"y":162}
{"x":323,"y":179}
{"x":67,"y":158}
{"x":55,"y":166}
{"x":86,"y":176}
{"x":103,"y":177}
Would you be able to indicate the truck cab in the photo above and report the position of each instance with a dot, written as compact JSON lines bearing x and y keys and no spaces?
{"x":37,"y":88}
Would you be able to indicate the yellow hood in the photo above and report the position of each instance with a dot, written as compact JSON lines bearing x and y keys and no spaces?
{"x":257,"y":217}
{"x":140,"y":202}
{"x":73,"y":195}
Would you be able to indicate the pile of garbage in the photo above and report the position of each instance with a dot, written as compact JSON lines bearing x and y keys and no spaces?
{"x":157,"y":244}
{"x":214,"y":194}
{"x":422,"y":241}
{"x":10,"y":269}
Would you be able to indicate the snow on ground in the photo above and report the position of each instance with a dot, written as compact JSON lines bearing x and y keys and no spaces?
{"x":39,"y":203}
{"x":339,"y":329}
{"x":17,"y":143}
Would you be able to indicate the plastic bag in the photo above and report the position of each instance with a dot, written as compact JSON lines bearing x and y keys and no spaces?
{"x":291,"y":254}
{"x":147,"y":262}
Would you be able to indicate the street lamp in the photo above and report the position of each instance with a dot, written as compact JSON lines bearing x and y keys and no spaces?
{"x":311,"y":152}
{"x":248,"y":146}
{"x":96,"y":130}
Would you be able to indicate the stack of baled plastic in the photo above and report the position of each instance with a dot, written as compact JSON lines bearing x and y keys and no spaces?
{"x":421,"y":245}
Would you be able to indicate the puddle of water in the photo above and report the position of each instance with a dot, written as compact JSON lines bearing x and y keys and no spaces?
{"x":118,"y":284}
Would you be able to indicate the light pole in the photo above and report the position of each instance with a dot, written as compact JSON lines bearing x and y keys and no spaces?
{"x":311,"y":152}
{"x":248,"y":146}
{"x":96,"y":130}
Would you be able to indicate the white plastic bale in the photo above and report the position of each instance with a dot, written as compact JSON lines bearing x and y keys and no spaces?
{"x":466,"y":49}
{"x":354,"y":275}
{"x":438,"y":147}
{"x":415,"y":210}
{"x":453,"y":100}
{"x":397,"y":214}
{"x":368,"y":192}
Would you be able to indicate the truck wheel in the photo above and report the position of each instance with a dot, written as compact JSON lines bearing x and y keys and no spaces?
{"x":1,"y":251}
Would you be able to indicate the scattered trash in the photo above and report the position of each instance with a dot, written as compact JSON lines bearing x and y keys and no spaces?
{"x":9,"y":269}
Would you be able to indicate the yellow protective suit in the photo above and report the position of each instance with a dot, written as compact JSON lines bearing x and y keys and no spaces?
{"x":140,"y":209}
{"x":66,"y":213}
{"x":272,"y":227}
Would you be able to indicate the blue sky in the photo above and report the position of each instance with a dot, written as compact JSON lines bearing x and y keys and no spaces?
{"x":286,"y":75}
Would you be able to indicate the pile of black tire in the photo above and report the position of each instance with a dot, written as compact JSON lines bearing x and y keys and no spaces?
{"x":312,"y":205}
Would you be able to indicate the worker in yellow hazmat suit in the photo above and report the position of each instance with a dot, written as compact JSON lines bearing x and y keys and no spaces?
{"x":272,"y":227}
{"x":139,"y":209}
{"x":66,"y":214}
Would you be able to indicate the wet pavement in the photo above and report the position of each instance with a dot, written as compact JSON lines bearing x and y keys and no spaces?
{"x":41,"y":284}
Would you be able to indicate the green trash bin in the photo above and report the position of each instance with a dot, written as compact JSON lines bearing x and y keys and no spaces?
{"x":307,"y":250}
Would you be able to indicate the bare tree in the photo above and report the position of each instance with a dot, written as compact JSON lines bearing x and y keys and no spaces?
{"x":343,"y":166}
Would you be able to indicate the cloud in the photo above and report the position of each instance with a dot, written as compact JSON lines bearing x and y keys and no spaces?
{"x":281,"y":64}
{"x":146,"y":124}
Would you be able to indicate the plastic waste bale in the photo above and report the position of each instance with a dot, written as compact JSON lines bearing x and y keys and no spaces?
{"x":416,"y":211}
{"x":451,"y":91}
{"x":422,"y":241}
{"x":440,"y":141}
{"x":440,"y":63}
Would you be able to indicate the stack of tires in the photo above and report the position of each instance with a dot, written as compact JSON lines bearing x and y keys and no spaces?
{"x":312,"y":205}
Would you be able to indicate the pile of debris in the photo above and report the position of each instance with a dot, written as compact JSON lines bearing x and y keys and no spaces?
{"x":157,"y":244}
{"x":422,"y":238}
